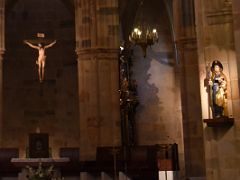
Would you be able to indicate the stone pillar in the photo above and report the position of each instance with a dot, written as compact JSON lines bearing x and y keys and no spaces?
{"x":236,"y":31}
{"x":1,"y":96}
{"x":97,"y":49}
{"x":184,"y":24}
{"x":2,"y":49}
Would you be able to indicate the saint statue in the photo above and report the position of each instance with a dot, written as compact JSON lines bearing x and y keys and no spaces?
{"x":218,"y":90}
{"x":41,"y":57}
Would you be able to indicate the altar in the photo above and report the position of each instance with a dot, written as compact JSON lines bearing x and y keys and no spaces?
{"x":22,"y":163}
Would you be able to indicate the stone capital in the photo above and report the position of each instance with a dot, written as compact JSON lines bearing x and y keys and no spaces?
{"x":187,"y":43}
{"x":222,"y":16}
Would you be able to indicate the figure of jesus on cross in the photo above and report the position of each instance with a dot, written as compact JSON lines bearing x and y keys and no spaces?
{"x":41,"y":54}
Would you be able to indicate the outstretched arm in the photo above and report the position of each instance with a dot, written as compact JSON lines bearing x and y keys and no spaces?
{"x":50,"y":45}
{"x":31,"y":45}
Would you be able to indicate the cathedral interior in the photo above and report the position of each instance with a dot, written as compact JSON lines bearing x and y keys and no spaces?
{"x":120,"y":89}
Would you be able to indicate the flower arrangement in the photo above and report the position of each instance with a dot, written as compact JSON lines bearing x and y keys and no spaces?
{"x":40,"y":173}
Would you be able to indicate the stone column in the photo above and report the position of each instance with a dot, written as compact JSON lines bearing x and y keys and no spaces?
{"x":1,"y":96}
{"x":184,"y":22}
{"x":236,"y":31}
{"x":2,"y":49}
{"x":97,"y":49}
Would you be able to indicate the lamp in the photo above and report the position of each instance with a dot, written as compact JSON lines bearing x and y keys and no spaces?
{"x":142,"y":34}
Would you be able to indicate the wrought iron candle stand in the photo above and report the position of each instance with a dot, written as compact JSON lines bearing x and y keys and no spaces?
{"x":128,"y":97}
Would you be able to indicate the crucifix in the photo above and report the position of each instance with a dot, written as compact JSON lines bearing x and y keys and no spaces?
{"x":41,"y":47}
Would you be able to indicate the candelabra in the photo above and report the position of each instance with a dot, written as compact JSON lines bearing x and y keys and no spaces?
{"x":143,"y":38}
{"x":143,"y":34}
{"x":128,"y":98}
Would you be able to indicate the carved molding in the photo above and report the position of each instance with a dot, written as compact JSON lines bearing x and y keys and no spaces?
{"x":219,"y":17}
{"x":97,"y":53}
{"x":187,"y":43}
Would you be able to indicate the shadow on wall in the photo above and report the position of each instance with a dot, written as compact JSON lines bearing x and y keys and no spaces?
{"x":147,"y":92}
{"x":166,"y":58}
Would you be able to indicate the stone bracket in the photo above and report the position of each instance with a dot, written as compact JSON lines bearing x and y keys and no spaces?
{"x":219,"y":122}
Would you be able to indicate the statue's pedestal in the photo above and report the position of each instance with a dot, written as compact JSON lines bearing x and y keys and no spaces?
{"x":219,"y":122}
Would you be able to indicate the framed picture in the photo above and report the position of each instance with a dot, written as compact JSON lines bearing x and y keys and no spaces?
{"x":38,"y":145}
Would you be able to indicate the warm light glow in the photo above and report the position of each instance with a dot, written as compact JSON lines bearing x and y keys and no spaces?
{"x":135,"y":30}
{"x":144,"y":37}
{"x":121,"y":48}
{"x":143,"y":34}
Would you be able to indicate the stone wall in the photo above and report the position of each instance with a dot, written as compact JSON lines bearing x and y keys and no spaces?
{"x":218,"y":39}
{"x":51,"y":106}
{"x":159,"y":114}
